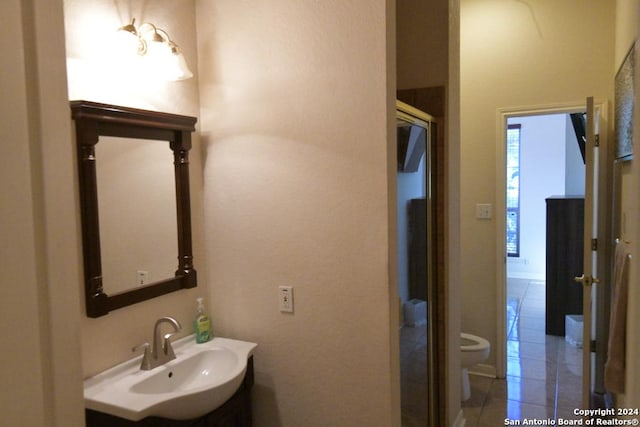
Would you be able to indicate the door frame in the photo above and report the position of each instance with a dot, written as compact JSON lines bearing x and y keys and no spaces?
{"x":502,"y":117}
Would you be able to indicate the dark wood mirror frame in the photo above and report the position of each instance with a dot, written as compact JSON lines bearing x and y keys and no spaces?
{"x":93,"y":120}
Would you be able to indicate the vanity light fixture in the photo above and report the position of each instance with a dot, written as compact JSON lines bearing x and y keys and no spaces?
{"x":163,"y":56}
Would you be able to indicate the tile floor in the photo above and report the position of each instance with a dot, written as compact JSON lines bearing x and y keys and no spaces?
{"x":543,"y":371}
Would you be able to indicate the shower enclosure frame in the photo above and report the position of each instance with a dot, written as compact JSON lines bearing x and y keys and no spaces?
{"x":436,"y":372}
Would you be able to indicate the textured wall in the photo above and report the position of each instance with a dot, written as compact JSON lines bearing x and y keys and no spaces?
{"x":97,"y":74}
{"x":24,"y":403}
{"x":422,"y":48}
{"x":39,"y":281}
{"x":516,"y":54}
{"x":295,"y":115}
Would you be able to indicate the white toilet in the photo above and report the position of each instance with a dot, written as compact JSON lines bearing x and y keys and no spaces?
{"x":473,"y":350}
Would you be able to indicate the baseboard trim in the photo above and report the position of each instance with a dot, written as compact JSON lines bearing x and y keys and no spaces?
{"x":526,"y":276}
{"x":483,"y":370}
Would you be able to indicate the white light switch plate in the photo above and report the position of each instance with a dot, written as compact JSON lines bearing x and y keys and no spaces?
{"x":285,"y":298}
{"x":484,"y":211}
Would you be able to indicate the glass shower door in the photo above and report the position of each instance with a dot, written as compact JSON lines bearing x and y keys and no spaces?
{"x":416,"y":288}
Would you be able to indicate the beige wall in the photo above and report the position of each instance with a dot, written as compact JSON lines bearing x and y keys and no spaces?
{"x":627,"y":18}
{"x":311,"y":205}
{"x":39,"y":278}
{"x":422,"y":43}
{"x":516,"y":54}
{"x":295,"y":127}
{"x":96,"y":76}
{"x":453,"y":297}
{"x":626,"y":28}
{"x":26,"y":403}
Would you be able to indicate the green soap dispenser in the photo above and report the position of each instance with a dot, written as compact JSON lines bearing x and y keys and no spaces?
{"x":202,"y":324}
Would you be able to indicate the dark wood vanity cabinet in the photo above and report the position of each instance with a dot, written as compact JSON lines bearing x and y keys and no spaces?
{"x":565,"y":238}
{"x":235,"y":412}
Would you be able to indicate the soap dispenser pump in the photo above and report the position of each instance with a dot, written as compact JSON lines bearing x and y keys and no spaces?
{"x":202,"y":324}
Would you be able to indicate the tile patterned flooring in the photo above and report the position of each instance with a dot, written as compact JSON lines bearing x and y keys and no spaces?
{"x":544,"y":375}
{"x":543,"y":371}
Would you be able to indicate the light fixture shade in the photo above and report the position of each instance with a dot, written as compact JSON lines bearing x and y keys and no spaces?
{"x":176,"y":67}
{"x":127,"y":41}
{"x":157,"y":53}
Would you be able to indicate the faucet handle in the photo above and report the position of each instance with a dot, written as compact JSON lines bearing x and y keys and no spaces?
{"x":146,"y":358}
{"x":144,"y":345}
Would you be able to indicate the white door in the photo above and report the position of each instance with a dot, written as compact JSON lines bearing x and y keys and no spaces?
{"x":593,"y":237}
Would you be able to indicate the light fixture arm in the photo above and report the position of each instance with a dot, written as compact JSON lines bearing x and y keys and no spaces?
{"x":130,"y":28}
{"x":149,"y":33}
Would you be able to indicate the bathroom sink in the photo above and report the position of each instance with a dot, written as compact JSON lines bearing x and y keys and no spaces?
{"x":199,"y":380}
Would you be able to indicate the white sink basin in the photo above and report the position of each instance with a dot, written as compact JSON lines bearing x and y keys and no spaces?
{"x":199,"y":380}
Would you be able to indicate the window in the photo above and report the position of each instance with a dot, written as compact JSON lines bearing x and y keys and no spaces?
{"x":513,"y":190}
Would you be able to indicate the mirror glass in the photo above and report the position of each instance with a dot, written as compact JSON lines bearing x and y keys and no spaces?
{"x":137,"y":205}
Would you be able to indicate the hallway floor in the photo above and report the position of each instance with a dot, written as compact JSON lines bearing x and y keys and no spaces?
{"x":544,"y":375}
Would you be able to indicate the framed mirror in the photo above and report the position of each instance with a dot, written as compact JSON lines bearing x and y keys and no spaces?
{"x":127,"y":196}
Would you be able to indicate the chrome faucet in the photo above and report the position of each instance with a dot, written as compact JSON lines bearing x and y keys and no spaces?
{"x":159,"y":354}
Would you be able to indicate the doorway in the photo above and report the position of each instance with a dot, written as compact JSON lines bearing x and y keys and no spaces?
{"x":548,"y":161}
{"x":545,"y":176}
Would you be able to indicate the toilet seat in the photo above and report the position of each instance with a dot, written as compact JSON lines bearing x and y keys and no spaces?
{"x":476,"y":343}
